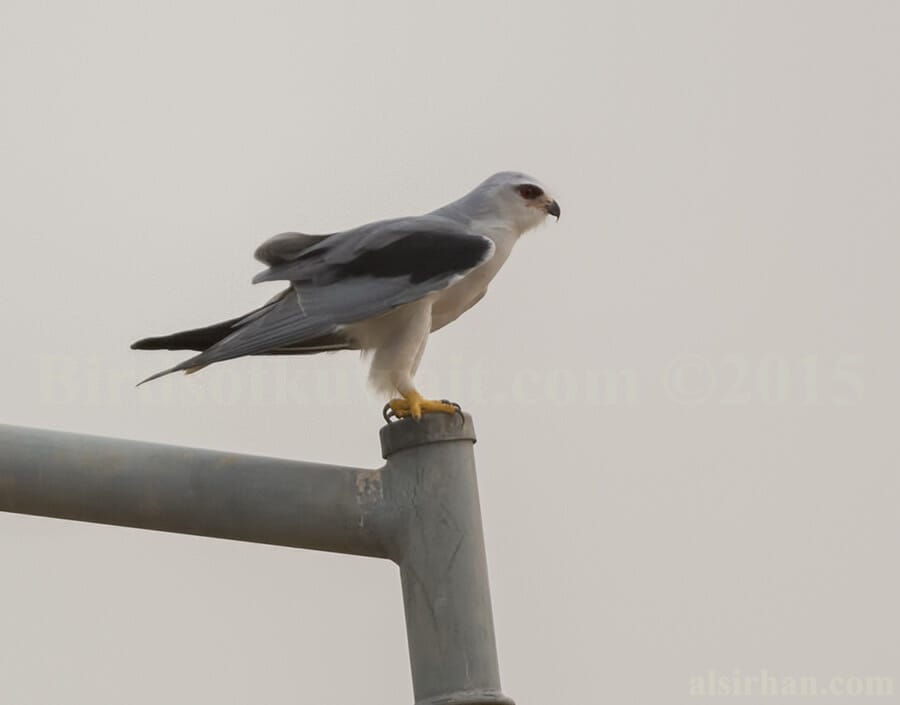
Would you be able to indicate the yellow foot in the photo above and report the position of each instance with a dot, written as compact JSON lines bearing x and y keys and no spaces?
{"x":413,"y":404}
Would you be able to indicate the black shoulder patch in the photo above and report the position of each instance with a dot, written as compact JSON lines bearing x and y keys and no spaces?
{"x":420,"y":256}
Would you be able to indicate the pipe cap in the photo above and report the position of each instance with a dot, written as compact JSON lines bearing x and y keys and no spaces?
{"x":431,"y":428}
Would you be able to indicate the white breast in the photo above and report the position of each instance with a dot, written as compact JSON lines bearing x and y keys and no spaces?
{"x":457,"y":298}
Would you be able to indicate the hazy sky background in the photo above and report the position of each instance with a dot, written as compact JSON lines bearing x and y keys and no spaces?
{"x":685,"y":391}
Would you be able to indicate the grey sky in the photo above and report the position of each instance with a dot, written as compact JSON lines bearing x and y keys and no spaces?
{"x":687,"y":455}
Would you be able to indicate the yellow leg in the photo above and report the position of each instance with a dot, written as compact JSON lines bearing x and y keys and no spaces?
{"x":414,"y":404}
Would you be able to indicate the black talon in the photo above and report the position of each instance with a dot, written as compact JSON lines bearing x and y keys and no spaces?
{"x":458,"y":408}
{"x":388,"y":413}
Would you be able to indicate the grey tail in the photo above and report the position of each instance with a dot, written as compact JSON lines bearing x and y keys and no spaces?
{"x":201,"y":339}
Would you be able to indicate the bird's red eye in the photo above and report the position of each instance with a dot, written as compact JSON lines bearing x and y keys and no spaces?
{"x":530,"y":191}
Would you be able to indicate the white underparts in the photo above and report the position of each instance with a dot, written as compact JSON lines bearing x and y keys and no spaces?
{"x":396,"y":340}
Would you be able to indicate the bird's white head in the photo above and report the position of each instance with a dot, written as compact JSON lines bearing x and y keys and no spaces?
{"x":508,"y":196}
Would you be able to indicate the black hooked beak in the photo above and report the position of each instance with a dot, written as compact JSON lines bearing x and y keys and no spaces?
{"x":552,"y":208}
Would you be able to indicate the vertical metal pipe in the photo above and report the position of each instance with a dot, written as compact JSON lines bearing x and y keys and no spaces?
{"x":431,"y":492}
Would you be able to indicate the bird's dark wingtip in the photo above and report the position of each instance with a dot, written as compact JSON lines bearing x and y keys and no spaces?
{"x":147,"y":344}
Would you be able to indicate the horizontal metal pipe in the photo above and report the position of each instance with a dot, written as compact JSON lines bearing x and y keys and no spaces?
{"x":191,"y":491}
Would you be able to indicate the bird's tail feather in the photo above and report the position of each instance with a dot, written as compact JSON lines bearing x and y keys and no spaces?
{"x":202,"y":339}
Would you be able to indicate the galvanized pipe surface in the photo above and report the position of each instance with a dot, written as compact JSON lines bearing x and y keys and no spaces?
{"x":431,"y":491}
{"x":421,"y":510}
{"x":189,"y":491}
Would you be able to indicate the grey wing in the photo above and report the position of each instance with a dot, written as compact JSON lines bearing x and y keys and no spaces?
{"x":285,"y":247}
{"x":353,"y":276}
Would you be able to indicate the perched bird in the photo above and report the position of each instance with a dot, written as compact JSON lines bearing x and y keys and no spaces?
{"x":380,"y":288}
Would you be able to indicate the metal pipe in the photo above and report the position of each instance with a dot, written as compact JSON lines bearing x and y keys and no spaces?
{"x":421,"y":510}
{"x":437,"y":539}
{"x":188,"y":490}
